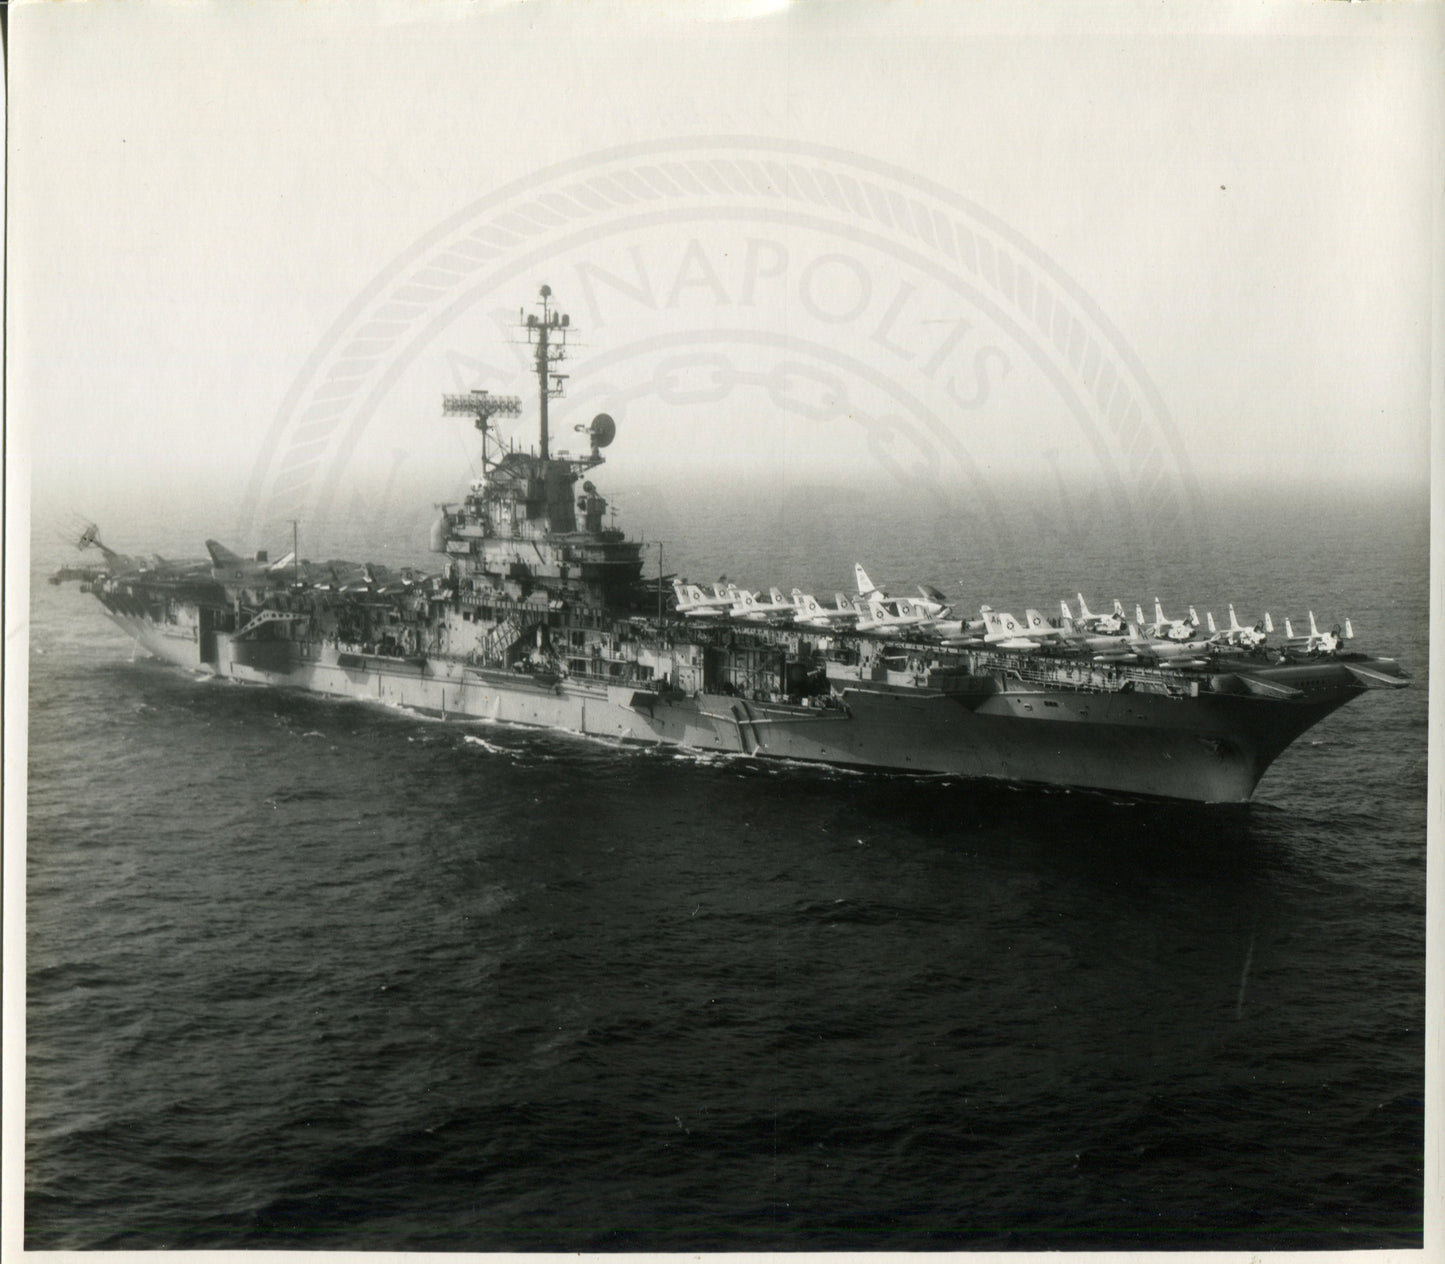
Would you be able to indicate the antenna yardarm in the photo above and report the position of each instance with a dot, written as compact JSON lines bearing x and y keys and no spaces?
{"x":548,"y":334}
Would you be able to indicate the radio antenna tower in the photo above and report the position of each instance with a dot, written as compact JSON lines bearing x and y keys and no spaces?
{"x":548,"y":334}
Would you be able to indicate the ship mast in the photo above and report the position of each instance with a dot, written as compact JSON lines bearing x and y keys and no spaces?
{"x":548,"y":334}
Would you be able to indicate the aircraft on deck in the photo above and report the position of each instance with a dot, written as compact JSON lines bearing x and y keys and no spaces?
{"x":1115,"y":624}
{"x":90,"y":539}
{"x":1150,"y":648}
{"x":1098,"y":643}
{"x":373,"y":581}
{"x":955,"y":632}
{"x":931,"y":603}
{"x":880,"y":619}
{"x":1042,"y":630}
{"x":392,"y":586}
{"x":810,"y":612}
{"x":1237,"y":634}
{"x":231,"y":568}
{"x":1317,"y":642}
{"x":334,"y":580}
{"x":1166,"y":629}
{"x":747,"y":606}
{"x":924,"y":612}
{"x":1004,"y":632}
{"x":695,"y":604}
{"x":119,"y":563}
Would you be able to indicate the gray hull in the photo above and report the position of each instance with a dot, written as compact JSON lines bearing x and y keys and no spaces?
{"x":1208,"y":749}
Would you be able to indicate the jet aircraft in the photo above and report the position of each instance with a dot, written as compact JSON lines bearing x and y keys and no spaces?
{"x":1166,"y":629}
{"x":1239,"y":635}
{"x":809,"y":611}
{"x":695,"y":604}
{"x":1042,"y":630}
{"x":1318,"y":642}
{"x":931,"y":603}
{"x":1088,"y":621}
{"x":747,"y":606}
{"x":229,"y":567}
{"x":879,"y":618}
{"x":1004,"y":632}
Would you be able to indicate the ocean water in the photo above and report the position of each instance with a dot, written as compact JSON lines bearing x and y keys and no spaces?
{"x":314,"y":974}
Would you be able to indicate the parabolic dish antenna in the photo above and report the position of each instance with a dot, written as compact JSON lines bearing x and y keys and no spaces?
{"x":602,"y":430}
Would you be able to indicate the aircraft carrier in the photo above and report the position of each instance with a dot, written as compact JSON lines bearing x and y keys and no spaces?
{"x":541,"y":615}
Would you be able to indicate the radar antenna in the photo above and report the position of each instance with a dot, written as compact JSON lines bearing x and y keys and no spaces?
{"x":483,"y":406}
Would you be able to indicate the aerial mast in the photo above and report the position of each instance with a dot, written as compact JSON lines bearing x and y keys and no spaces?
{"x":548,"y":334}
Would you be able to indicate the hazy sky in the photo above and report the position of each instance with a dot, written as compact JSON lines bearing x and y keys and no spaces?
{"x":1137,"y":243}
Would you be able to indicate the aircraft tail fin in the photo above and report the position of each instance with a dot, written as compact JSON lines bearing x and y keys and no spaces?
{"x":1084,"y":612}
{"x":1314,"y":631}
{"x":1288,"y":629}
{"x":775,"y":595}
{"x":1119,"y":611}
{"x":1139,"y":614}
{"x":1349,"y":631}
{"x":1194,"y":618}
{"x":842,"y":602}
{"x":1159,"y":618}
{"x":1209,"y":621}
{"x":222,"y":556}
{"x":1064,"y":606}
{"x":1268,"y":622}
{"x":89,"y":536}
{"x":865,"y":585}
{"x":1002,"y":623}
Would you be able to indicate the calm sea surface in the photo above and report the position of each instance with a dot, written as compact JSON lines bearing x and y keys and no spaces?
{"x":315,"y":974}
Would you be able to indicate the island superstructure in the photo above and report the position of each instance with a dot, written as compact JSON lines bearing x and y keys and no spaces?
{"x":541,"y":615}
